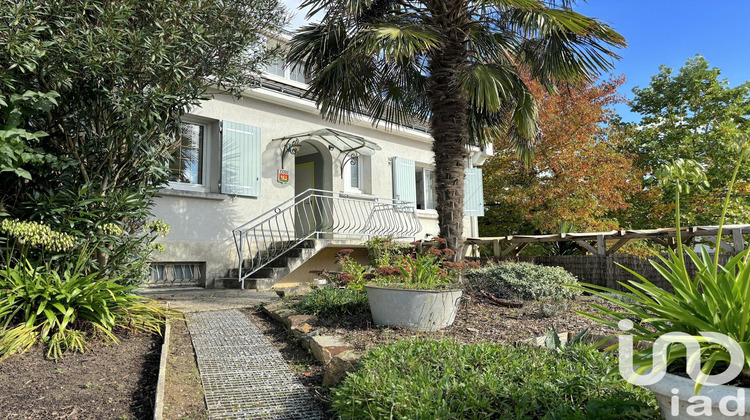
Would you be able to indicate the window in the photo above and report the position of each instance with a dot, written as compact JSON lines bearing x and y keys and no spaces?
{"x":425,"y":182}
{"x":174,"y":274}
{"x":276,"y":68}
{"x":287,"y":71}
{"x":416,"y":184}
{"x":297,"y":74}
{"x":353,"y":175}
{"x":186,"y":166}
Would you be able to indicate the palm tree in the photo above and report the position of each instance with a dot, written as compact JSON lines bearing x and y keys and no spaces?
{"x":454,"y":63}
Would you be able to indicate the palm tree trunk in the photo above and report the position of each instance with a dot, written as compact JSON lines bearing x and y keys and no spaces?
{"x":448,"y":123}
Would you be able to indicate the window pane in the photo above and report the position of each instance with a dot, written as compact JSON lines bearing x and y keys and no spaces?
{"x":187,"y":158}
{"x":354,"y":172}
{"x":276,"y":68}
{"x":429,"y":189}
{"x":419,"y":180}
{"x":157,"y":272}
{"x":297,"y":74}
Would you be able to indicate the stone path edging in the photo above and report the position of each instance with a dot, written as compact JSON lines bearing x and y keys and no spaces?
{"x":338,"y":356}
{"x":159,"y":400}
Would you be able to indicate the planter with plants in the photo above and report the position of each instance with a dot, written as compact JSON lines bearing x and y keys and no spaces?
{"x":694,"y":328}
{"x":417,"y":290}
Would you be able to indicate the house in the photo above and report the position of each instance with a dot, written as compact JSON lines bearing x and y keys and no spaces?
{"x":253,"y":163}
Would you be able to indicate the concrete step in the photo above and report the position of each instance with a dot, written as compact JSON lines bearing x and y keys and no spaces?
{"x":250,"y":283}
{"x":275,"y":270}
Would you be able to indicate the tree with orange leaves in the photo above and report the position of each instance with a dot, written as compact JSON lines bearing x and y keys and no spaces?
{"x":578,"y":175}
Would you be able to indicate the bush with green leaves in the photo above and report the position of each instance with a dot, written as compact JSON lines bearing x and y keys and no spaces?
{"x":91,"y":98}
{"x":384,"y":250}
{"x":65,"y":309}
{"x":334,"y":302}
{"x":428,"y":379}
{"x":523,"y":281}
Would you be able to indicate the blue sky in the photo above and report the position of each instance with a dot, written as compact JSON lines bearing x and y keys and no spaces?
{"x":667,"y":32}
{"x":671,"y":31}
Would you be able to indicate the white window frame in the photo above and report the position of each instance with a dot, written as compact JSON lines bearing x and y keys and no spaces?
{"x":348,"y":176}
{"x":204,"y":185}
{"x":421,"y":168}
{"x":286,"y":78}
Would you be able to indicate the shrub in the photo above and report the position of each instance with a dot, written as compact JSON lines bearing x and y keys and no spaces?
{"x":334,"y":302}
{"x":444,"y":379}
{"x":65,"y":310}
{"x":384,"y":251}
{"x":523,"y":281}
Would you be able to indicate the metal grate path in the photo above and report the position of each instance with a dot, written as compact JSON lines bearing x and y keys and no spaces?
{"x":243,"y":375}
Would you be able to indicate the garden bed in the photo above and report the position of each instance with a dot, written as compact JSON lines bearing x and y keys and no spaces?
{"x":108,"y":382}
{"x":183,"y":392}
{"x":477,"y":320}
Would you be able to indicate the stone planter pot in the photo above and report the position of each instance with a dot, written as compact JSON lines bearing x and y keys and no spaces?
{"x":416,"y":310}
{"x":723,"y":400}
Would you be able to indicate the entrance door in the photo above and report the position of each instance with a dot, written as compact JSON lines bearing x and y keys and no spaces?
{"x":304,"y":179}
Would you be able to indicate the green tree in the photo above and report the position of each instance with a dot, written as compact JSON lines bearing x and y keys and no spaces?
{"x":91,"y":95}
{"x":691,"y":114}
{"x":453,"y":62}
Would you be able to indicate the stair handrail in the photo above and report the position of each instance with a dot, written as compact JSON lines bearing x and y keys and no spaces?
{"x":287,"y":238}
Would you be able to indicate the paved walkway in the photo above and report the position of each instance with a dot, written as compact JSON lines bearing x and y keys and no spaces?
{"x":195,"y":299}
{"x":243,"y":375}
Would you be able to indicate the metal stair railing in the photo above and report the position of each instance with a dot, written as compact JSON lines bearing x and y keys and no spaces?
{"x":319,"y":214}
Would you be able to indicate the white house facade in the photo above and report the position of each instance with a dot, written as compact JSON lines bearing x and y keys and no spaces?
{"x":245,"y":160}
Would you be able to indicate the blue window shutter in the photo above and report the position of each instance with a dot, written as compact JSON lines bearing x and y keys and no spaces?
{"x":473,"y":193}
{"x":404,"y":180}
{"x":240,"y":159}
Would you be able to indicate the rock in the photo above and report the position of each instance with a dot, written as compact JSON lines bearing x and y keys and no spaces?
{"x":325,"y":347}
{"x":297,"y":320}
{"x":274,"y":306}
{"x":279,"y":314}
{"x":300,"y":330}
{"x":338,"y":367}
{"x":294,"y":291}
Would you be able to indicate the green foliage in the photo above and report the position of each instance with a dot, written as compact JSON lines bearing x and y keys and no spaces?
{"x":690,"y":114}
{"x":91,"y":97}
{"x":428,"y":379}
{"x":523,"y":281}
{"x":384,"y":251}
{"x":66,"y":309}
{"x":422,"y":270}
{"x":116,"y":227}
{"x":552,"y":340}
{"x":715,"y":300}
{"x":353,"y":273}
{"x":335,"y":302}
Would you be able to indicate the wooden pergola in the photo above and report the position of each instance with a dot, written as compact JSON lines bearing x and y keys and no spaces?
{"x":607,"y":243}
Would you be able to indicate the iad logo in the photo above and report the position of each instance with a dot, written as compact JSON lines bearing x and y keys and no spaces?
{"x":693,"y":368}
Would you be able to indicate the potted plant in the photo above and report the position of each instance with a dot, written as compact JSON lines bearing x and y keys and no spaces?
{"x":418,"y":291}
{"x":689,"y":326}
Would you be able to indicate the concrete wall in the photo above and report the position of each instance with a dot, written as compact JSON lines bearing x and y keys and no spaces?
{"x":202,"y":220}
{"x":323,"y":260}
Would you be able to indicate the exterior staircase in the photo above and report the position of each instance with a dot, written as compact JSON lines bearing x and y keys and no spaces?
{"x":278,"y":241}
{"x":277,"y":269}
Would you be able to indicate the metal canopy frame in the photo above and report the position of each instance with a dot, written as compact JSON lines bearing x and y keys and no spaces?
{"x":348,"y":145}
